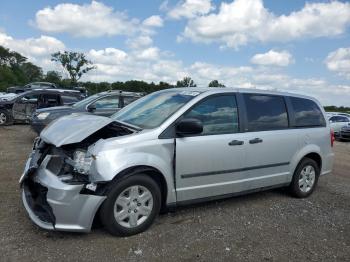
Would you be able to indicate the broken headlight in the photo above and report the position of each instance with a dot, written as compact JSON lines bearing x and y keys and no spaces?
{"x":42,"y":116}
{"x":82,"y":161}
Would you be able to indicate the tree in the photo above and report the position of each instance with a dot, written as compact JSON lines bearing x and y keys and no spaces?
{"x":31,"y":72}
{"x":53,"y":77}
{"x":76,"y":64}
{"x":10,"y":58}
{"x":186,"y":82}
{"x":215,"y":83}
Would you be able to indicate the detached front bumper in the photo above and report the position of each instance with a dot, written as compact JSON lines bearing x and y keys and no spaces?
{"x":55,"y":205}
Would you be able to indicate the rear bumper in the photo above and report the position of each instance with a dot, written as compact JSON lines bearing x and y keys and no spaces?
{"x":327,"y":164}
{"x":54,"y":205}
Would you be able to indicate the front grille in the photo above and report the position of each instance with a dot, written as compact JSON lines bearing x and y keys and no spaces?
{"x":35,"y":195}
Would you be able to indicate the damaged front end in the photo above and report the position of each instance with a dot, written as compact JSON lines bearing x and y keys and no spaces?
{"x":56,"y":188}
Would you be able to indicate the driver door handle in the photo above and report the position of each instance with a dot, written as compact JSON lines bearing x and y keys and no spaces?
{"x":236,"y":143}
{"x":255,"y":141}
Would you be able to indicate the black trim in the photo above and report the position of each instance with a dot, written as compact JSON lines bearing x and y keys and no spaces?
{"x":219,"y":172}
{"x":172,"y":206}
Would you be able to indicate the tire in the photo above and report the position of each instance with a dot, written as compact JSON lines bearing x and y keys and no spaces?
{"x":305,"y":178}
{"x":5,"y":118}
{"x":121,"y":199}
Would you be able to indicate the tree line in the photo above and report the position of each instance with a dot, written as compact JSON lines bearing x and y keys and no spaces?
{"x":16,"y":70}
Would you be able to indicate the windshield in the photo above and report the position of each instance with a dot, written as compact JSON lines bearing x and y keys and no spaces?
{"x":152,"y":110}
{"x":86,"y":101}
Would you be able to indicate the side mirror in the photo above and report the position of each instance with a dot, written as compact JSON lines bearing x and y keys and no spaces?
{"x":189,"y":126}
{"x":91,"y":108}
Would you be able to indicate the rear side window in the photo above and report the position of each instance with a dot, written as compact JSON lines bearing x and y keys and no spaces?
{"x":306,"y":113}
{"x":265,"y":112}
{"x":218,"y":114}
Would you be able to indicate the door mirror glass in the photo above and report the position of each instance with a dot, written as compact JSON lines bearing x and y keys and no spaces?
{"x":189,"y":126}
{"x":91,"y":107}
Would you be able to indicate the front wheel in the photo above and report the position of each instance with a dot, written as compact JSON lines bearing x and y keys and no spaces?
{"x":131,"y":206}
{"x":5,"y":118}
{"x":305,"y":178}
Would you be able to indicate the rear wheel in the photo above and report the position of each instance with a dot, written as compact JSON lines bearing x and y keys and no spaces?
{"x":131,"y":206}
{"x":305,"y":178}
{"x":5,"y":118}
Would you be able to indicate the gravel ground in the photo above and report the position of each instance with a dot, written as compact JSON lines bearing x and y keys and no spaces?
{"x":269,"y":226}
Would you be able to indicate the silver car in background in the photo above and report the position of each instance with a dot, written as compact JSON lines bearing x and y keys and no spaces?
{"x":171,"y":148}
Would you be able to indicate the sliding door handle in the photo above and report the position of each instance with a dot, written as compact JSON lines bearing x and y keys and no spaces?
{"x":236,"y":143}
{"x":255,"y":141}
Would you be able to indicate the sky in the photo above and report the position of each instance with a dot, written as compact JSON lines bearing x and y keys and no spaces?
{"x":295,"y":46}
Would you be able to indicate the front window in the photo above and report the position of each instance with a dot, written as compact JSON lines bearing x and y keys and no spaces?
{"x":109,"y":102}
{"x":218,"y":114}
{"x":152,"y":110}
{"x":86,"y":101}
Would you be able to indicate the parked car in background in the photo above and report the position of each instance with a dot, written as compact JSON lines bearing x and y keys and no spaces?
{"x":20,"y":108}
{"x":31,"y":86}
{"x":82,"y":90}
{"x":170,"y":148}
{"x":7,"y":96}
{"x":103,"y":104}
{"x":344,"y":133}
{"x":337,"y":122}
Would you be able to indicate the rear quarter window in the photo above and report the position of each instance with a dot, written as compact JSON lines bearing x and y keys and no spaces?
{"x":306,"y":113}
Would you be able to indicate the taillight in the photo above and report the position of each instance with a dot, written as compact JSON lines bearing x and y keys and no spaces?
{"x":332,"y":137}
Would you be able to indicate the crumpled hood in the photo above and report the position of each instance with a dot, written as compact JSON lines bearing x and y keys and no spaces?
{"x":73,"y":128}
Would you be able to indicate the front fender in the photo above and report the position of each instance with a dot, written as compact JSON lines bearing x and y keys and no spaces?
{"x":108,"y":166}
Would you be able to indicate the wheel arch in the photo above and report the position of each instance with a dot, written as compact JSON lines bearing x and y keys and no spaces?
{"x":310,"y":151}
{"x":150,"y":171}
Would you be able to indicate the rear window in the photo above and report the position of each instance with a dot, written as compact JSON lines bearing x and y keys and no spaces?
{"x":307,"y":113}
{"x":265,"y":112}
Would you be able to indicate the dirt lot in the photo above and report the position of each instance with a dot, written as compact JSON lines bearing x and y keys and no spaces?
{"x":269,"y":226}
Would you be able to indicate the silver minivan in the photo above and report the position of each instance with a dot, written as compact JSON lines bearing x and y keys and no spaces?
{"x":170,"y":148}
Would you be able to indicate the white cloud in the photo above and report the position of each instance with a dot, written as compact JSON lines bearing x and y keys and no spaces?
{"x":188,"y":8}
{"x":153,"y":21}
{"x":275,"y":58}
{"x":139,"y":42}
{"x":151,"y":53}
{"x":37,"y":50}
{"x":242,"y":21}
{"x":88,"y":20}
{"x":339,"y":61}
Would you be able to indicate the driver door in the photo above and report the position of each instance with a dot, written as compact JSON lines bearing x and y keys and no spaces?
{"x":210,"y":164}
{"x":24,"y":106}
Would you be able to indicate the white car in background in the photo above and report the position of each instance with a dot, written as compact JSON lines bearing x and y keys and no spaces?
{"x":7,"y":96}
{"x":337,"y":122}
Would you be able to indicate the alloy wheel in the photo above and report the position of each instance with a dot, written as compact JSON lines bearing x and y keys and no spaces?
{"x":133,"y":206}
{"x":3,"y":118}
{"x":307,"y":178}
